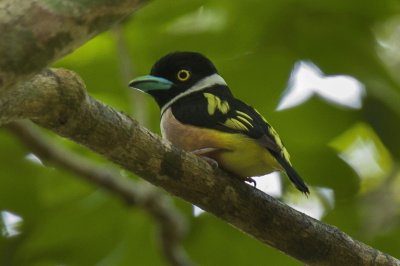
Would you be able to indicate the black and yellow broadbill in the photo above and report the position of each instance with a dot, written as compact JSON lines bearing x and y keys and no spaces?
{"x":200,"y":114}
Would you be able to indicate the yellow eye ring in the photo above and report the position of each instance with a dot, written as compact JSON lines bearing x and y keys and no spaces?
{"x":183,"y":75}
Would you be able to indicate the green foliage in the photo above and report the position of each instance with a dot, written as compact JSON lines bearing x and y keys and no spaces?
{"x":255,"y":45}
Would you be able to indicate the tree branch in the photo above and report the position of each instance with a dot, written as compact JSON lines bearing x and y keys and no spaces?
{"x":171,"y":223}
{"x":29,"y":44}
{"x":57,"y":99}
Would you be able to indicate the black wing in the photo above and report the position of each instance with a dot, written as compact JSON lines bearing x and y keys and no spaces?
{"x":216,"y":108}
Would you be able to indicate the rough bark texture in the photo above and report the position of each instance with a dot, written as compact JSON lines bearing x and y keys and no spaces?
{"x":57,"y":100}
{"x":35,"y":33}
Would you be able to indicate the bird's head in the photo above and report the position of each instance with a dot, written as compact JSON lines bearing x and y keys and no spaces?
{"x":177,"y":74}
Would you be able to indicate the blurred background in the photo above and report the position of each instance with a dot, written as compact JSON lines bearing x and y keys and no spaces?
{"x":324,"y":74}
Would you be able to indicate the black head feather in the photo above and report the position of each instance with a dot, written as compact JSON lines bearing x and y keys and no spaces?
{"x":169,"y":66}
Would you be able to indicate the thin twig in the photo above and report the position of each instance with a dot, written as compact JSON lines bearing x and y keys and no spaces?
{"x":171,"y":222}
{"x":138,"y":100}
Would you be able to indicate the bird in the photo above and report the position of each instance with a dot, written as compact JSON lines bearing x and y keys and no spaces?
{"x":199,"y":114}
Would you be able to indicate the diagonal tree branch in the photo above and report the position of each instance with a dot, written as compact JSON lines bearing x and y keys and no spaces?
{"x":56,"y":99}
{"x":170,"y":221}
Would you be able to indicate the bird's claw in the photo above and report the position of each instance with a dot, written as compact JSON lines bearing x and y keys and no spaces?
{"x":251,"y":181}
{"x":203,"y":154}
{"x":212,"y":162}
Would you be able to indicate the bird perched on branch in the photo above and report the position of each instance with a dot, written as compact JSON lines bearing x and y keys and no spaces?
{"x":199,"y":114}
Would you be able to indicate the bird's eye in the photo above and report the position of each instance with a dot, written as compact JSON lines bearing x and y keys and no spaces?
{"x":183,"y":75}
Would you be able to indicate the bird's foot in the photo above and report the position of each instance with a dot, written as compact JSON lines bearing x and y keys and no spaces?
{"x":251,"y":180}
{"x":203,"y":154}
{"x":212,"y":162}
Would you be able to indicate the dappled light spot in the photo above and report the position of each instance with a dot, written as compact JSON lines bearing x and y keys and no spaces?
{"x":327,"y":195}
{"x":362,"y":149}
{"x":197,"y":211}
{"x":388,"y":42}
{"x":33,"y":158}
{"x":307,"y":80}
{"x":270,"y":184}
{"x":201,"y":21}
{"x":362,"y":155}
{"x":315,"y":205}
{"x":11,"y":224}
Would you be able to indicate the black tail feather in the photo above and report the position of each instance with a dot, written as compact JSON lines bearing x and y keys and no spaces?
{"x":293,"y":175}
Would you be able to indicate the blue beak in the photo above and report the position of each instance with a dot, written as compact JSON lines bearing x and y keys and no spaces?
{"x":150,"y":83}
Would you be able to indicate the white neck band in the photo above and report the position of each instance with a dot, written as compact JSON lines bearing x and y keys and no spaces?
{"x":202,"y":84}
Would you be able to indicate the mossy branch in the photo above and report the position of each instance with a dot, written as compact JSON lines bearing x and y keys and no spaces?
{"x":36,"y":33}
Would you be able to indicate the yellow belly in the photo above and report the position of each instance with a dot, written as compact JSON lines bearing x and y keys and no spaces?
{"x":245,"y":157}
{"x":235,"y":153}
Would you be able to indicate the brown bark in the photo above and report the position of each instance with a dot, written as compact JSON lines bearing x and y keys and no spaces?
{"x":36,"y":33}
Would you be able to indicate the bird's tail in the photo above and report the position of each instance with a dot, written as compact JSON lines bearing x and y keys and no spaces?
{"x":293,"y":175}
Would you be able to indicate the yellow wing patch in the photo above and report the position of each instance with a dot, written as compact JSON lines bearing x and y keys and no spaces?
{"x":244,"y":118}
{"x":235,"y":124}
{"x":245,"y":121}
{"x":277,"y":139}
{"x":244,"y":115}
{"x":214,"y":103}
{"x":241,"y":121}
{"x":279,"y":142}
{"x":286,"y":155}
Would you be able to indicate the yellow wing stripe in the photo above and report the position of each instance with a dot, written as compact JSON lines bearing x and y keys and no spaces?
{"x":224,"y":108}
{"x":245,"y":120}
{"x":235,"y":124}
{"x":214,"y":103}
{"x":277,"y":139}
{"x":286,"y":155}
{"x":244,"y":115}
